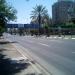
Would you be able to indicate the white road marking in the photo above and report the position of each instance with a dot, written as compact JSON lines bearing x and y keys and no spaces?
{"x":44,"y":44}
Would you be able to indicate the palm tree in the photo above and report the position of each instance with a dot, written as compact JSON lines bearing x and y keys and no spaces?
{"x":38,"y":13}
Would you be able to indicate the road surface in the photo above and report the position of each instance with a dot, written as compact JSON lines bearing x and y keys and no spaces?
{"x":57,"y":56}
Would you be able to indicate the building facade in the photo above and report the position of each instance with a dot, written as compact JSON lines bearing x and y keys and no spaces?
{"x":63,"y":11}
{"x":65,"y":0}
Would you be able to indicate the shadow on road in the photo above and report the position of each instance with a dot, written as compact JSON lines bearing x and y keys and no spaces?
{"x":6,"y":65}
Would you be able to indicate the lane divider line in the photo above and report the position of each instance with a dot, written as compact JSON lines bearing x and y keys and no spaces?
{"x":44,"y":44}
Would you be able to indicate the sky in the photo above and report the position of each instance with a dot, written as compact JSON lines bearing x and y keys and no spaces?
{"x":24,"y":8}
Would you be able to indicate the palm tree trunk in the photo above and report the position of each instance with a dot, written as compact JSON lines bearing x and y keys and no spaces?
{"x":39,"y":21}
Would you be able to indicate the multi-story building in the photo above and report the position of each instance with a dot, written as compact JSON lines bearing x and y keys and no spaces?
{"x":65,"y":0}
{"x":63,"y":11}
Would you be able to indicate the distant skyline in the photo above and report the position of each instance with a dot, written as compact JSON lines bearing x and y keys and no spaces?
{"x":24,"y":8}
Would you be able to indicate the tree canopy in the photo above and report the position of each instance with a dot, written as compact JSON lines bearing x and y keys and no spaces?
{"x":7,"y":13}
{"x":39,"y":13}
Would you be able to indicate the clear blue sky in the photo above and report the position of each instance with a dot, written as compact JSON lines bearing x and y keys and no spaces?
{"x":24,"y":8}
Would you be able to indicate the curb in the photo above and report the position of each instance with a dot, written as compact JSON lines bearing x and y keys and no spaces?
{"x":39,"y":68}
{"x":36,"y":66}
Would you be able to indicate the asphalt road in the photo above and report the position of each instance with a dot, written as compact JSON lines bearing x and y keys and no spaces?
{"x":57,"y":56}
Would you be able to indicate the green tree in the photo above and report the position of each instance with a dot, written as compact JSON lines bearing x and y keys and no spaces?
{"x":38,"y":13}
{"x":7,"y":13}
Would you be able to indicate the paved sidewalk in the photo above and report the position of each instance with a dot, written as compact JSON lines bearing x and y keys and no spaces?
{"x":20,"y":64}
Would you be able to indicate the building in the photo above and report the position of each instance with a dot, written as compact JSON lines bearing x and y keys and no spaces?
{"x":63,"y":11}
{"x":65,"y":0}
{"x":24,"y":27}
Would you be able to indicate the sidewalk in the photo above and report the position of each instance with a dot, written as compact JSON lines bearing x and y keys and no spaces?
{"x":12,"y":62}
